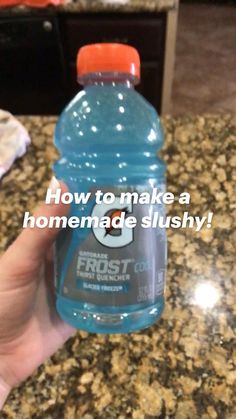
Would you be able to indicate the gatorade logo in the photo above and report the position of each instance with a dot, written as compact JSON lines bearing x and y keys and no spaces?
{"x":111,"y":236}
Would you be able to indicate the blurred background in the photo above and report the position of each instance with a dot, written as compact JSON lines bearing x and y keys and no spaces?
{"x":205,"y":67}
{"x":187,"y":51}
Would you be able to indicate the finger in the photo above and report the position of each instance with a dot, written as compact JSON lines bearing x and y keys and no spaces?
{"x":49,"y":274}
{"x":4,"y":392}
{"x":31,"y":246}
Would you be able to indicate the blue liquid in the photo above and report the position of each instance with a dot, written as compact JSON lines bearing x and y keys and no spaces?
{"x":107,"y":136}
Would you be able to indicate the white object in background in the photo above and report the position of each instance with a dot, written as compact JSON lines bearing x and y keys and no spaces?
{"x":13,"y":140}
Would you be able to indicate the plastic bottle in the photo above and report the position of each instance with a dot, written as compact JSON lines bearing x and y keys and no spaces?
{"x":110,"y":280}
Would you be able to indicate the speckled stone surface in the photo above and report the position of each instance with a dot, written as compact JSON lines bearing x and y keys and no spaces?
{"x":119,"y":5}
{"x":74,"y":6}
{"x":184,"y":366}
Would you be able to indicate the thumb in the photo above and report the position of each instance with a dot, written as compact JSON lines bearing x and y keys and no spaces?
{"x":28,"y":251}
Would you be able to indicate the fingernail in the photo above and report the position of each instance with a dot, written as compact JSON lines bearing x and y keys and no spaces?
{"x":54,"y":184}
{"x":4,"y":392}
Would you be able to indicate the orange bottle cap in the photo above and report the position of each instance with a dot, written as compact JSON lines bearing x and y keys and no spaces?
{"x":108,"y":58}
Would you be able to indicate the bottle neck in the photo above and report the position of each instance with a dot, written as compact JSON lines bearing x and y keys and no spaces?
{"x":104,"y":79}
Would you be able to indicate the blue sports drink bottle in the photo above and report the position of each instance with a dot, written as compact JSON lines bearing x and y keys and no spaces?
{"x":110,"y":280}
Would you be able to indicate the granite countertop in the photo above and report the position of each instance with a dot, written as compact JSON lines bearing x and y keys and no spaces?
{"x":184,"y":366}
{"x":73,"y":6}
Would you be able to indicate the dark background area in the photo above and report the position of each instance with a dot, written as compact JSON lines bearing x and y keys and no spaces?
{"x":205,"y":65}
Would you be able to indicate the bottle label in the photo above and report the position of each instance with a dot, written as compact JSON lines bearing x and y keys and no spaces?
{"x":112,"y":266}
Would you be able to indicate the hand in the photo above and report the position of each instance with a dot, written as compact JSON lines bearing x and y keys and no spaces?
{"x":30,"y":329}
